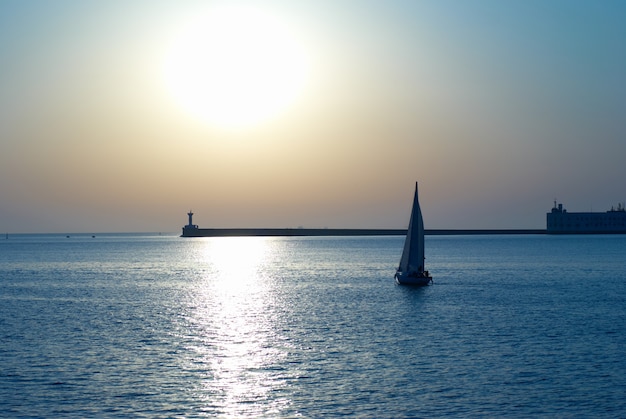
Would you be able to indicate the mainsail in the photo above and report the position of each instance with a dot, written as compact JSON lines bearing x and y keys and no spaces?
{"x":412,"y":259}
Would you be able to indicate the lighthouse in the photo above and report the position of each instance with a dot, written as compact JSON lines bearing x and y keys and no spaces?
{"x":190,"y":230}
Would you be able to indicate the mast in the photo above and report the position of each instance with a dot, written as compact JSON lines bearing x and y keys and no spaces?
{"x":417,"y":249}
{"x":413,"y":252}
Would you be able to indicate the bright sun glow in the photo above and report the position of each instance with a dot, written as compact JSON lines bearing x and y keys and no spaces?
{"x":237,"y":259}
{"x":235,"y":67}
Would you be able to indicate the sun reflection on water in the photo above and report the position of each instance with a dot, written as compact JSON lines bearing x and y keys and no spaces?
{"x":234,"y":318}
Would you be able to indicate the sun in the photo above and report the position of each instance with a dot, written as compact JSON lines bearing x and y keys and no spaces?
{"x":235,"y":67}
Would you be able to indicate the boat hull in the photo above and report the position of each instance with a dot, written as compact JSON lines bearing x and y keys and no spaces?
{"x":416,"y":279}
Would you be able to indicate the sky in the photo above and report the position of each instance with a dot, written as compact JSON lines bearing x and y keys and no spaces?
{"x":121,"y":116}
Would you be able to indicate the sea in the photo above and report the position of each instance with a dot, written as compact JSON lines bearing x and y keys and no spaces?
{"x":159,"y":326}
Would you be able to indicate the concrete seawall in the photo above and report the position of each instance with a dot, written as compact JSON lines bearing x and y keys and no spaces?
{"x":291,"y":232}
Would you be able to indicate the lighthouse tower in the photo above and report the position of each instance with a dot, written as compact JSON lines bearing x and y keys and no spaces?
{"x":190,"y":230}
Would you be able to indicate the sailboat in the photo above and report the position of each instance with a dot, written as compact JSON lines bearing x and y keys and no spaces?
{"x":411,"y":270}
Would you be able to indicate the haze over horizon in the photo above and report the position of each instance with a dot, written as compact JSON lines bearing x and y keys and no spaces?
{"x":124,"y":115}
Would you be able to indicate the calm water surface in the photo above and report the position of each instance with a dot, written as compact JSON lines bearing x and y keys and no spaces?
{"x":161,"y":326}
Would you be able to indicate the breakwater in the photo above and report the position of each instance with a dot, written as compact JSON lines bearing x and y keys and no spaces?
{"x":289,"y":232}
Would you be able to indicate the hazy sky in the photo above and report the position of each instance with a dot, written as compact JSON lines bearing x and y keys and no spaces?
{"x":123,"y":115}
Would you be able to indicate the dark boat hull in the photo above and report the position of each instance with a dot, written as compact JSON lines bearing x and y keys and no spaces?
{"x":415,"y":279}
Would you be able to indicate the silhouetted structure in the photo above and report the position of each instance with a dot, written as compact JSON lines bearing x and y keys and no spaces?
{"x":559,"y":221}
{"x":192,"y":230}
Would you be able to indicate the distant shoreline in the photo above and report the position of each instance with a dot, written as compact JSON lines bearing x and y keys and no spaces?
{"x":300,"y":232}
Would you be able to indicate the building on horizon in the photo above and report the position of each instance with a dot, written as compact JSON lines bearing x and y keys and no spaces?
{"x":560,"y":221}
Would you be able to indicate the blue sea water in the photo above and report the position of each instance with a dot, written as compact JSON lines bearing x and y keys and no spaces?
{"x":162,"y":326}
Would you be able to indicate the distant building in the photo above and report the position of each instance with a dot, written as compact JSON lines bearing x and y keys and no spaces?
{"x":559,"y":221}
